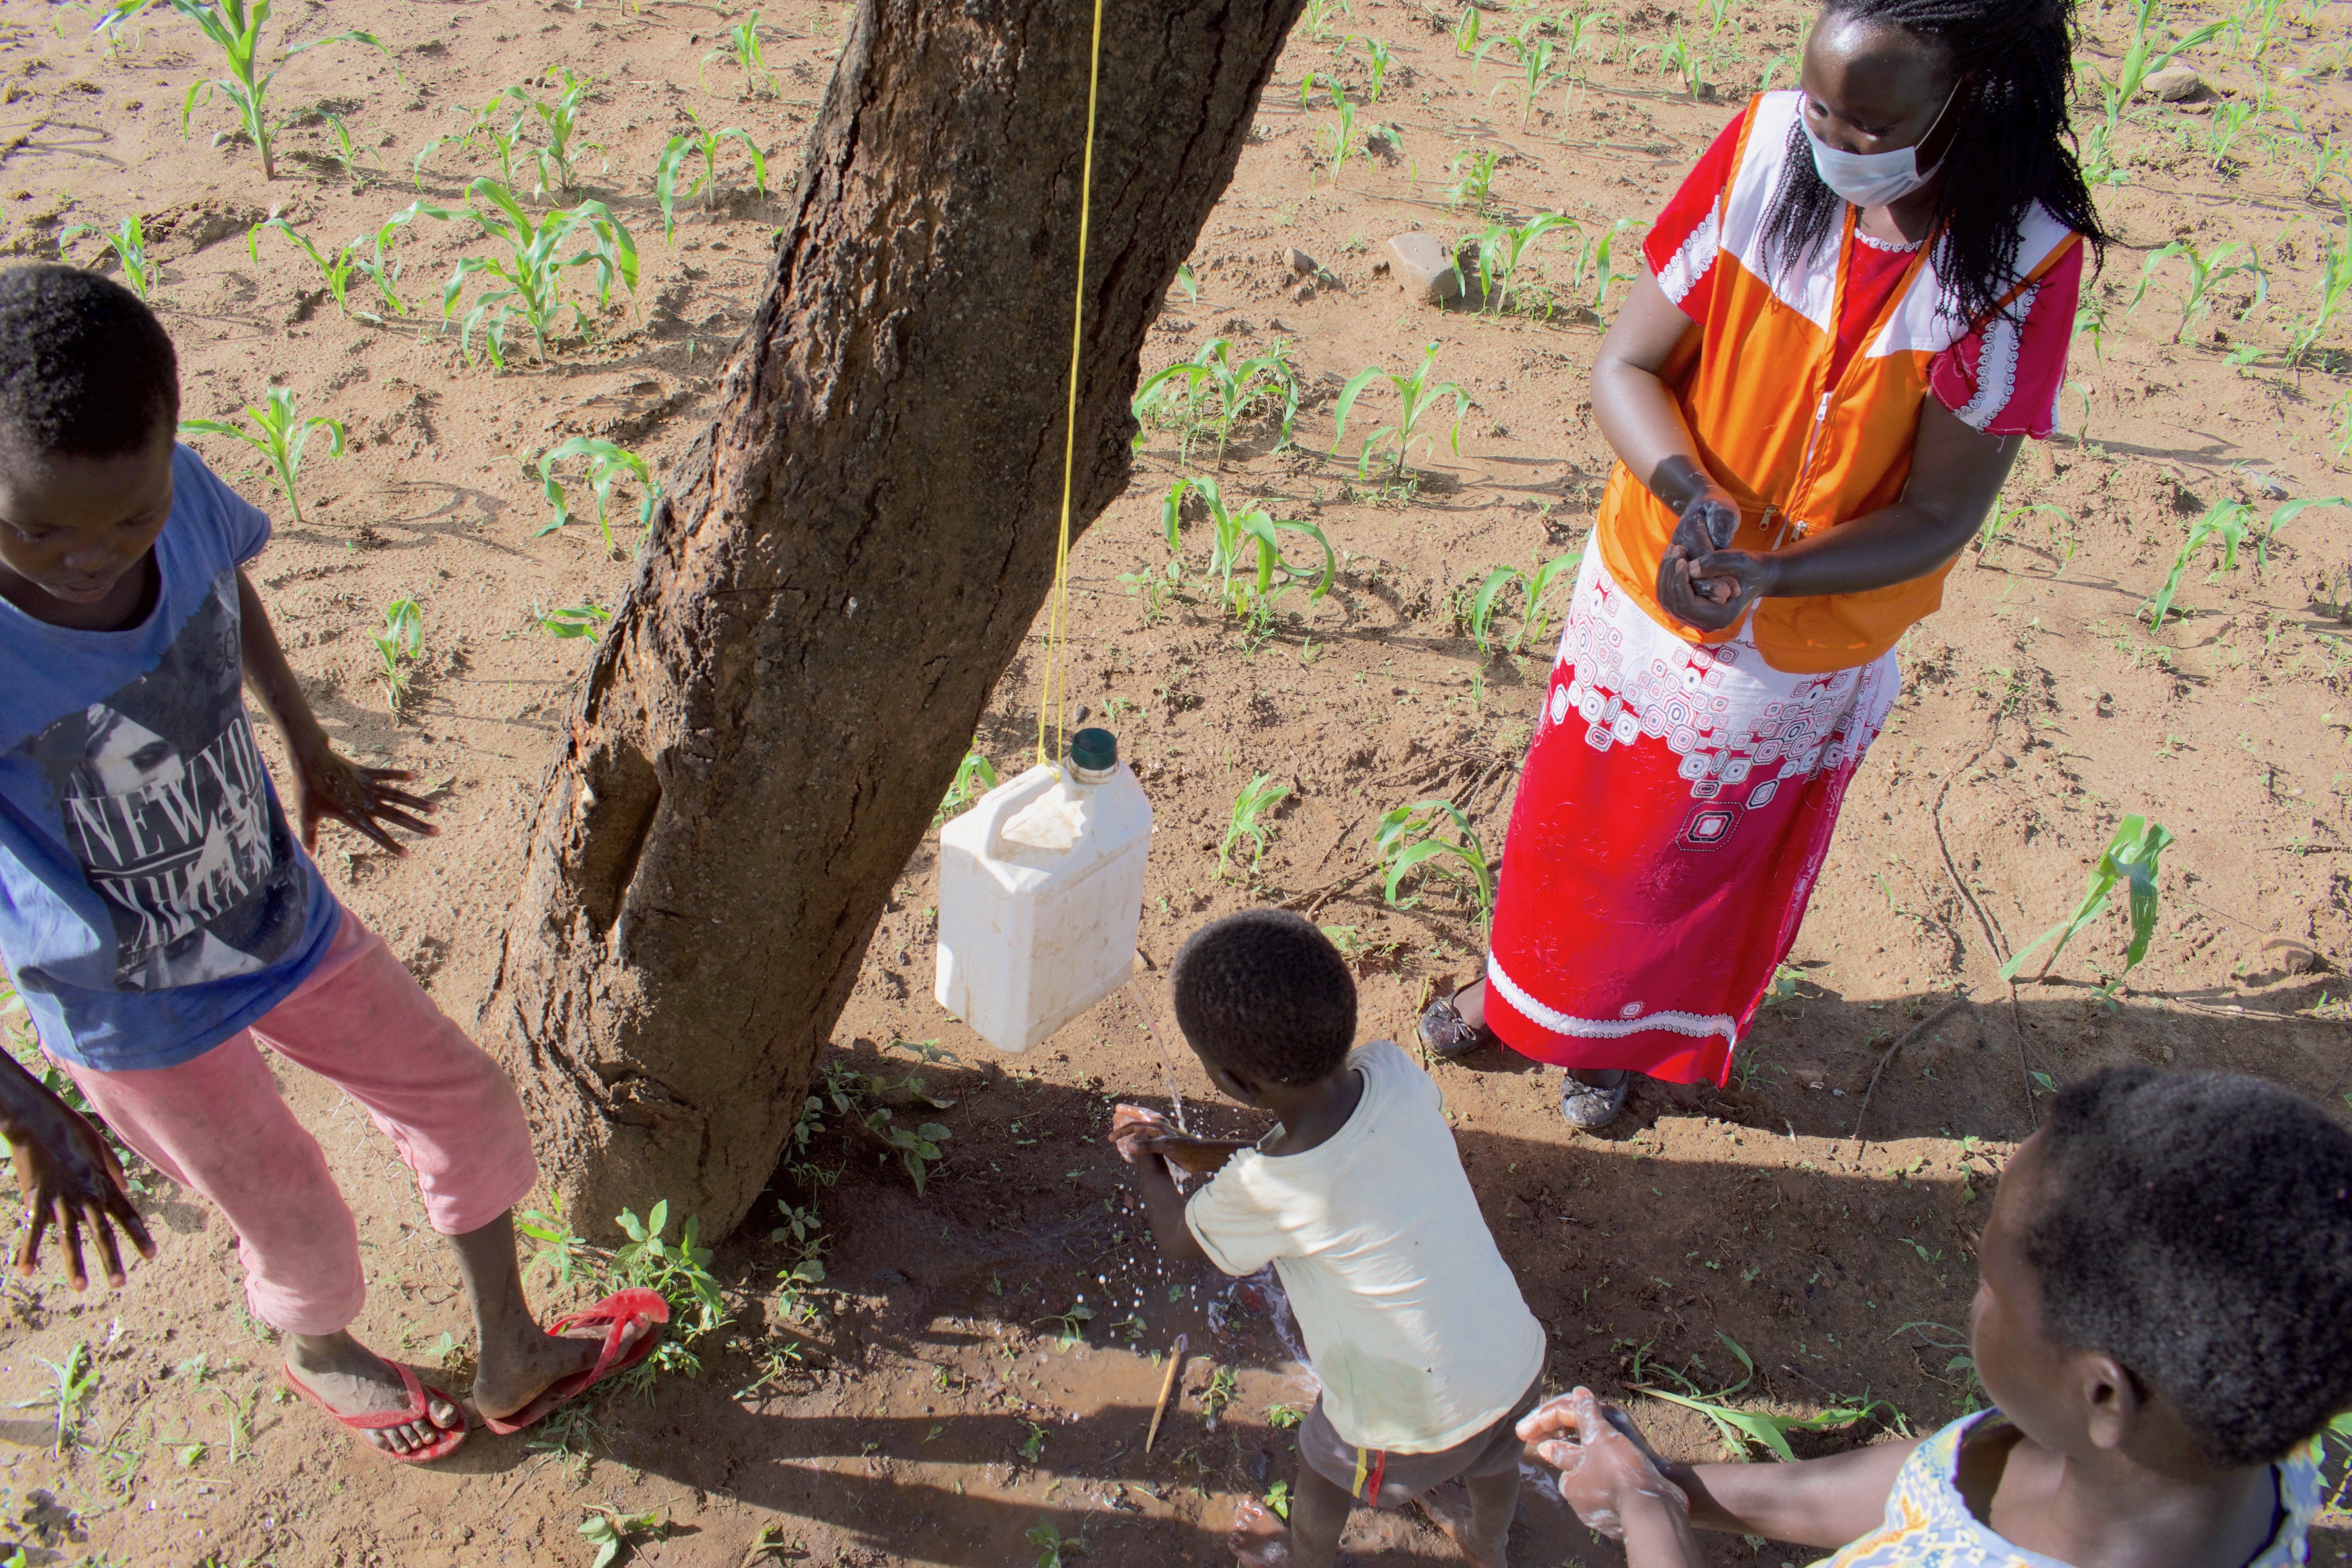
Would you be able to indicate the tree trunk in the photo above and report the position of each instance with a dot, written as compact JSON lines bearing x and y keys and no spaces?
{"x":849,"y":558}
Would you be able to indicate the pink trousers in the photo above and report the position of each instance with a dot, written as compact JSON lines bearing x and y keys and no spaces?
{"x":217,"y":1124}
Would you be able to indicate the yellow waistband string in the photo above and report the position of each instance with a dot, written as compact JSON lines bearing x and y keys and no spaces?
{"x":1056,"y":696}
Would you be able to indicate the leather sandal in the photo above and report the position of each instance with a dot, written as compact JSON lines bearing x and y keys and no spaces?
{"x":1449,"y":1035}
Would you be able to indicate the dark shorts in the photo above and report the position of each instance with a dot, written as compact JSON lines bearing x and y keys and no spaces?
{"x":1384,"y":1479}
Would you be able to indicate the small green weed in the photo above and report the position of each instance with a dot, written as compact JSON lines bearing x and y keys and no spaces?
{"x":611,"y":1532}
{"x":72,"y":1382}
{"x":572,"y":621}
{"x":1055,"y":1550}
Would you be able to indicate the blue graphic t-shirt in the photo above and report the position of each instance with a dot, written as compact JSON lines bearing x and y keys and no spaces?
{"x":153,"y":899}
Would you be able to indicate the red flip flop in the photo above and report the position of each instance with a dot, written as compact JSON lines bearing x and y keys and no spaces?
{"x":418,"y":1410}
{"x":615,"y":1311}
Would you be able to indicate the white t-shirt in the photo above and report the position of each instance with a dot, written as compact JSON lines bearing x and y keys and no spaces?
{"x":1416,"y":1327}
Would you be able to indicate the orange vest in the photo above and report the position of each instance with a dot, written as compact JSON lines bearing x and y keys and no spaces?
{"x":1798,"y":453}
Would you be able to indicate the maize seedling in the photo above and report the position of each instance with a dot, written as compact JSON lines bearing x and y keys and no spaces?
{"x":1260,"y":795}
{"x":398,"y":647}
{"x":607,"y":465}
{"x":707,"y":142}
{"x":128,"y":243}
{"x":1416,"y":396}
{"x":532,"y":268}
{"x":234,"y":27}
{"x":1233,"y":534}
{"x":1407,"y":839}
{"x":361,"y":256}
{"x":2130,"y":857}
{"x":281,"y":434}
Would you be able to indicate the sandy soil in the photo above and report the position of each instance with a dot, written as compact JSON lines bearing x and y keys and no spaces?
{"x":920,"y":1406}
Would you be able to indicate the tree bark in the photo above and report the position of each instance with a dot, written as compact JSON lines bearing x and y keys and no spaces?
{"x":849,"y":558}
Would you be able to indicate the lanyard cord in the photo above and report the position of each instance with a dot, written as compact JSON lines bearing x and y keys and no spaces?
{"x":1056,"y":696}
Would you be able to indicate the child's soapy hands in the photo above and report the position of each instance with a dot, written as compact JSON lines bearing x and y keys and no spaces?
{"x":1606,"y":1469}
{"x":1136,"y":1131}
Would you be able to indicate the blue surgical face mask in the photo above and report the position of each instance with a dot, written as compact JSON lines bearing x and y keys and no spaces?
{"x":1875,"y":179}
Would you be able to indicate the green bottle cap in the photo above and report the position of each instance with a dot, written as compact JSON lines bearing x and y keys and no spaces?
{"x":1095,"y":750}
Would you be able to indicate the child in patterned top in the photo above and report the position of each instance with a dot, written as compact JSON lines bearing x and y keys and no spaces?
{"x":2159,"y":1321}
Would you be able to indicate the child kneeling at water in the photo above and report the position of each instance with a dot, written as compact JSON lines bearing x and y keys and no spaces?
{"x":1427,"y":1353}
{"x":2160,"y":1321}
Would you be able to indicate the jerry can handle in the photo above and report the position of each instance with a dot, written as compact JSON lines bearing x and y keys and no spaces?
{"x":989,"y":812}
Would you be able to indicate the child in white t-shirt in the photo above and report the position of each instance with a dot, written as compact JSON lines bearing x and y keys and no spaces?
{"x":1427,"y":1353}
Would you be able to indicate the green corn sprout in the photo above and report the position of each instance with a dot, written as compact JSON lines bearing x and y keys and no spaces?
{"x":1476,"y":179}
{"x":532,"y":269}
{"x":1407,"y":839}
{"x":1342,"y":135}
{"x":2130,"y":857}
{"x":1604,"y":269}
{"x":1719,"y":15}
{"x":1235,"y":533}
{"x":2205,"y":271}
{"x":1500,"y":248}
{"x":560,"y":118}
{"x":742,"y":47}
{"x":1486,"y":603}
{"x":1416,"y":398}
{"x":707,"y":142}
{"x":2335,"y":288}
{"x":2231,"y":522}
{"x":1465,"y":33}
{"x":573,"y":621}
{"x":363,"y":256}
{"x":128,"y":243}
{"x":492,"y":130}
{"x":1220,"y":393}
{"x":281,"y":434}
{"x":2142,"y":57}
{"x":1258,"y":797}
{"x":345,"y":156}
{"x":1319,"y":14}
{"x":2230,"y":121}
{"x":398,"y":647}
{"x":2328,"y":162}
{"x":974,"y":776}
{"x":1678,"y":54}
{"x":1379,"y":57}
{"x":234,"y":27}
{"x":1535,"y":57}
{"x":607,"y":465}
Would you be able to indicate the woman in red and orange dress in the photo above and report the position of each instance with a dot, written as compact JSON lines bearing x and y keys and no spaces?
{"x":1856,"y":307}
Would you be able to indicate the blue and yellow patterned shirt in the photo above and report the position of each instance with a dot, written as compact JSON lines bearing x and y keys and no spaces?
{"x":1928,"y":1524}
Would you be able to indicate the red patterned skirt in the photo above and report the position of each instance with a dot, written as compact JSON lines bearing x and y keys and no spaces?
{"x":1674,"y":811}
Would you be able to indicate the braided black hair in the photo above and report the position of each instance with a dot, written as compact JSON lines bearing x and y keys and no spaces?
{"x":1264,"y":994}
{"x":86,"y":370}
{"x":2011,"y":146}
{"x":2198,"y":1227}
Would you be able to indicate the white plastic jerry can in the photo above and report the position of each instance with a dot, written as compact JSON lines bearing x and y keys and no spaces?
{"x":1041,"y":891}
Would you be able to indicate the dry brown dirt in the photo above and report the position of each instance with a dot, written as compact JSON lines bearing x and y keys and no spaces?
{"x":920,"y":1406}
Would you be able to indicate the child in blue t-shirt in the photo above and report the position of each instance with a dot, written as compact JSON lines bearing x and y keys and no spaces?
{"x":158,"y":917}
{"x":2159,"y":1320}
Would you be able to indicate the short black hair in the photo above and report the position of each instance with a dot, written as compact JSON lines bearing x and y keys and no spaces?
{"x":2198,"y":1227}
{"x":86,"y":370}
{"x":1264,"y":994}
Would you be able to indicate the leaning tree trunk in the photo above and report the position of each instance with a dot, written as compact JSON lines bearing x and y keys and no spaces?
{"x":849,"y":558}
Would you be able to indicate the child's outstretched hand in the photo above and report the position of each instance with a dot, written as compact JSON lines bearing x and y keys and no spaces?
{"x":331,"y":784}
{"x":1606,"y":1471}
{"x":70,"y":1180}
{"x":1137,"y":1131}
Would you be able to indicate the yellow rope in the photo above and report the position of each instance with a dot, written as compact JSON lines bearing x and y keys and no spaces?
{"x":1056,"y":697}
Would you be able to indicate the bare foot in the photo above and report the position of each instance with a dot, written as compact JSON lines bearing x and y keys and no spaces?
{"x":355,"y":1380}
{"x":514,"y":1373}
{"x":1259,"y":1540}
{"x":1448,"y":1507}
